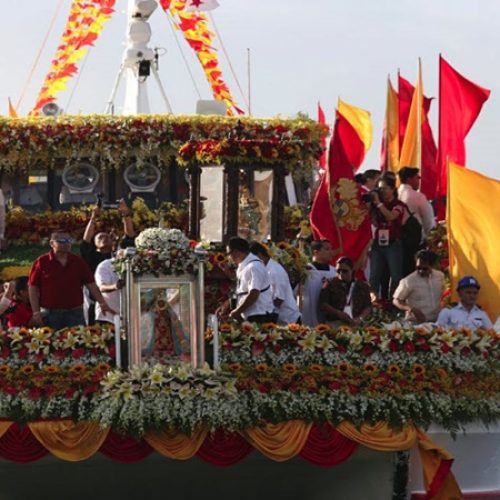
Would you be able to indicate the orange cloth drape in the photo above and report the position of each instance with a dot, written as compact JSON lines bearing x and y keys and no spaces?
{"x":440,"y":483}
{"x":174,"y":444}
{"x":72,"y":441}
{"x":380,"y":436}
{"x":4,"y":427}
{"x":281,"y":441}
{"x":69,"y":440}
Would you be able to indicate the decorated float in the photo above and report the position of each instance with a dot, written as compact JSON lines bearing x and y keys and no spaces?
{"x":329,"y":405}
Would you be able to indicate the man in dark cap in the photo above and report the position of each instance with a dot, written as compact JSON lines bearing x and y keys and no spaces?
{"x":466,"y":313}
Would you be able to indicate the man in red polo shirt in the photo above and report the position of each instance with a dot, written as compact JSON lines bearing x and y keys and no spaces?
{"x":55,"y":284}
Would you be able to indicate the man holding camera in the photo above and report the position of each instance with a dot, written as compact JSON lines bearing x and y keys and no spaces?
{"x":95,"y":248}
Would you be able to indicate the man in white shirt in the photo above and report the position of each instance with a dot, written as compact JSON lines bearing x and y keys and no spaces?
{"x":419,"y":294}
{"x":318,"y":271}
{"x":253,"y":291}
{"x":466,"y":314}
{"x":285,"y":304}
{"x":419,"y":206}
{"x":109,"y":283}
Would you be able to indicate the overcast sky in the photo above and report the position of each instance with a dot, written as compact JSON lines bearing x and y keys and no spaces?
{"x":301,"y":52}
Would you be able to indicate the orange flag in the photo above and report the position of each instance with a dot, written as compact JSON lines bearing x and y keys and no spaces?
{"x":12,"y":110}
{"x":473,"y":213}
{"x":460,"y":102}
{"x":390,"y":141}
{"x":411,"y":150}
{"x":429,"y":150}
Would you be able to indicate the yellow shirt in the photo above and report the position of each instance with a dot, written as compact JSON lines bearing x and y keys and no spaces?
{"x":422,"y":293}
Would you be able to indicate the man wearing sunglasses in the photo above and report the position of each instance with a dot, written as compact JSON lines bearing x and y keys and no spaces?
{"x":55,"y":285}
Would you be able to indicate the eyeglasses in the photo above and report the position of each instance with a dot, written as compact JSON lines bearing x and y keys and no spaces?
{"x":64,"y":241}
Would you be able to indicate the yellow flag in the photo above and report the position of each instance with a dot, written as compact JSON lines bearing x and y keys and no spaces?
{"x":411,"y":151}
{"x":12,"y":110}
{"x":474,"y":233}
{"x":392,"y":128}
{"x":360,"y":121}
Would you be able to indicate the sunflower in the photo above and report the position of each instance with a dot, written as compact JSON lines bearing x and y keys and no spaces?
{"x":294,"y":327}
{"x":261,"y":367}
{"x":78,"y":368}
{"x":423,"y":332}
{"x":4,"y":369}
{"x":225,"y":327}
{"x":370,"y":368}
{"x":289,"y":368}
{"x":220,"y":258}
{"x":46,"y":330}
{"x":393,"y":370}
{"x":321,"y":327}
{"x":316,"y":368}
{"x":246,"y":328}
{"x":94,"y":330}
{"x":441,"y":373}
{"x":283,"y":245}
{"x":27,"y":369}
{"x":234,"y":367}
{"x":51,"y":369}
{"x":344,"y":368}
{"x":418,"y":369}
{"x":103,"y":367}
{"x":23,"y":331}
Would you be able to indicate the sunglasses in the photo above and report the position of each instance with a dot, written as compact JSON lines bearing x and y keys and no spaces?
{"x":64,"y":241}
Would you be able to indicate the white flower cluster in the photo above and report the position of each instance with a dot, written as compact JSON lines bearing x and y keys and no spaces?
{"x":161,"y":240}
{"x":161,"y":252}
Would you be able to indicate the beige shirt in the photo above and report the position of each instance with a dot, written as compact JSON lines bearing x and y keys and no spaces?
{"x":422,"y":293}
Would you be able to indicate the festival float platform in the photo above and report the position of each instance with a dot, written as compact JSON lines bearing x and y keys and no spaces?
{"x":321,"y":406}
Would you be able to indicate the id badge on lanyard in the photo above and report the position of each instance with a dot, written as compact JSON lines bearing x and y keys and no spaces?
{"x":348,"y":306}
{"x":383,"y":237}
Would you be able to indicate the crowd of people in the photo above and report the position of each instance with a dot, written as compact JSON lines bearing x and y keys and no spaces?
{"x":64,"y":289}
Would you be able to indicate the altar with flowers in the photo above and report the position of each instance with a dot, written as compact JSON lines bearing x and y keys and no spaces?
{"x":286,"y":391}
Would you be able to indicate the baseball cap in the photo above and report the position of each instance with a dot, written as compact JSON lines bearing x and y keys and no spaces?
{"x":468,"y":281}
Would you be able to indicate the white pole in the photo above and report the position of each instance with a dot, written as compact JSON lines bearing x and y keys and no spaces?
{"x":118,"y":351}
{"x":137,"y":52}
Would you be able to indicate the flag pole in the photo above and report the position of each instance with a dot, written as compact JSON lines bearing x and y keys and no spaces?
{"x":249,"y":84}
{"x":440,"y":149}
{"x":419,"y":115}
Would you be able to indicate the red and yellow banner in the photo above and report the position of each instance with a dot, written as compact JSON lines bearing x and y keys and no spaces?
{"x":194,"y":28}
{"x":85,"y":22}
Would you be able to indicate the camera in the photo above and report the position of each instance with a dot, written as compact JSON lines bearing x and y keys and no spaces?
{"x":104,"y":204}
{"x":368,"y":197}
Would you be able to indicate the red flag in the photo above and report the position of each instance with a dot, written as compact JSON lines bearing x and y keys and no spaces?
{"x":321,"y":215}
{"x":343,"y":220}
{"x":460,"y":102}
{"x":322,"y":120}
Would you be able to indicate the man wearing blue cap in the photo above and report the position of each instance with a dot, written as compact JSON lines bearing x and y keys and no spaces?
{"x":466,"y":313}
